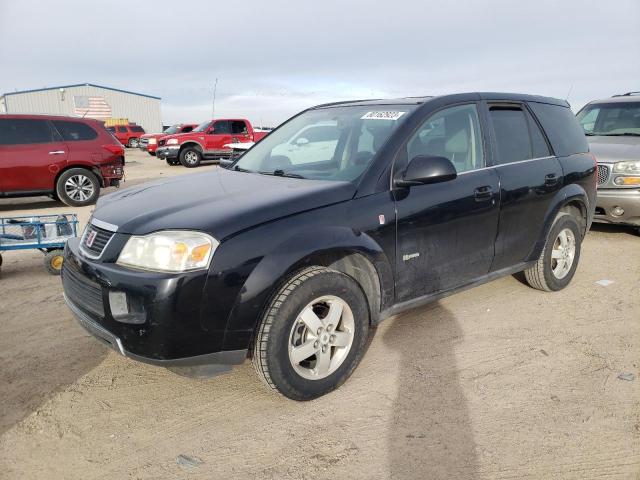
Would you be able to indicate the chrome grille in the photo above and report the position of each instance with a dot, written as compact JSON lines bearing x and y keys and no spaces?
{"x":144,"y":141}
{"x":603,"y":174}
{"x":94,"y":240}
{"x":83,"y":292}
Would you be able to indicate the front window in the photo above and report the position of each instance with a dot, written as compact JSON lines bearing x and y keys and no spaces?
{"x":611,"y":119}
{"x":334,"y":143}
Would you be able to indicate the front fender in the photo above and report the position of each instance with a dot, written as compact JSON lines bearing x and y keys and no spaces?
{"x":303,"y":248}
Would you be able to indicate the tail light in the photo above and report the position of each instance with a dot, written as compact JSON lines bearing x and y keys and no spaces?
{"x":115,"y":149}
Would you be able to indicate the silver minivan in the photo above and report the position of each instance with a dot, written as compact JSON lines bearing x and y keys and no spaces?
{"x":612,"y":127}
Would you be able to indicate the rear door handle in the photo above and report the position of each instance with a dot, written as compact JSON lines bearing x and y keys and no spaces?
{"x":57,"y":152}
{"x":551,"y":179}
{"x":483,"y":193}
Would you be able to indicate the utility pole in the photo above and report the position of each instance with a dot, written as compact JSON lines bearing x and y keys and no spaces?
{"x":213,"y":105}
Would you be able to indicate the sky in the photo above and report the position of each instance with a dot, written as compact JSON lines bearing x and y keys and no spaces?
{"x":275,"y":58}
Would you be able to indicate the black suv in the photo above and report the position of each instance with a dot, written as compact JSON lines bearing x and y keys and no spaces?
{"x":294,"y":252}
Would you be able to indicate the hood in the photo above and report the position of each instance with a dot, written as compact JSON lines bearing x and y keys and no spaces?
{"x":181,"y":136}
{"x":614,"y":149}
{"x":220,"y":202}
{"x":152,"y":135}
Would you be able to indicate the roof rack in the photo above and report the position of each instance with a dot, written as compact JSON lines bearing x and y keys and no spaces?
{"x":628,"y":94}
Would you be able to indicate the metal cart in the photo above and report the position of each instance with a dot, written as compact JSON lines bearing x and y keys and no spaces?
{"x":47,"y":233}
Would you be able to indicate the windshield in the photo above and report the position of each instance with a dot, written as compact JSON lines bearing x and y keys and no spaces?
{"x":336,"y":143}
{"x":202,"y":127}
{"x":172,"y":129}
{"x":611,"y":119}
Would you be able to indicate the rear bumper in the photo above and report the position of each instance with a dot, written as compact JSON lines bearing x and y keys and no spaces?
{"x":171,"y":152}
{"x":627,"y":199}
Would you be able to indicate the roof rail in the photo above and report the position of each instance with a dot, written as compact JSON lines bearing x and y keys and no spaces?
{"x":628,"y":94}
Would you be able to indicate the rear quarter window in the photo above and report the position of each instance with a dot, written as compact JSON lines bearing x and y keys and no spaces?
{"x":562,"y":128}
{"x":137,"y":129}
{"x":75,"y":131}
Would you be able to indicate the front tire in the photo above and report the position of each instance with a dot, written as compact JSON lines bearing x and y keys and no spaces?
{"x":190,"y":157}
{"x":78,"y":187}
{"x":132,"y":143}
{"x":313,"y":334}
{"x":559,"y":258}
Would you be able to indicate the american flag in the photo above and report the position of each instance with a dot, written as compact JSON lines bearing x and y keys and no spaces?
{"x":92,"y":107}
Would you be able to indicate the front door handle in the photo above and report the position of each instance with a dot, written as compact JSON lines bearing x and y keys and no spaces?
{"x":57,"y":152}
{"x":483,"y":193}
{"x":550,"y":180}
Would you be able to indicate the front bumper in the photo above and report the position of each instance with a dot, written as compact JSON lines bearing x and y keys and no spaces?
{"x":170,"y":333}
{"x":165,"y":152}
{"x":627,"y":199}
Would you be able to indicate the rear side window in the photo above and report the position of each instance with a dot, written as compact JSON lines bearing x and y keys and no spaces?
{"x":122,"y":129}
{"x":19,"y":131}
{"x":518,"y":136}
{"x":238,"y":127}
{"x":75,"y":131}
{"x":137,"y":129}
{"x":562,"y":128}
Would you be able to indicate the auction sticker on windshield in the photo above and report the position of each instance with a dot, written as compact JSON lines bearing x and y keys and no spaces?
{"x":382,"y":115}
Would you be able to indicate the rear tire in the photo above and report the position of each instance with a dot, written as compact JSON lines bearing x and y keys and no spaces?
{"x":53,"y":261}
{"x":190,"y":157}
{"x":313,"y":334}
{"x":559,"y":258}
{"x":78,"y":187}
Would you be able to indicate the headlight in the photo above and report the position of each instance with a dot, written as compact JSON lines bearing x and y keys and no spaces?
{"x":172,"y":141}
{"x":169,"y":251}
{"x":632,"y":168}
{"x":152,"y":141}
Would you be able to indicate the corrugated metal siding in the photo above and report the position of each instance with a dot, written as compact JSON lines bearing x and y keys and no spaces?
{"x":144,"y":111}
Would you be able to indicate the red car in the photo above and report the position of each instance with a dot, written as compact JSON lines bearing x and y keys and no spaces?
{"x":67,"y":158}
{"x":149,"y":141}
{"x":207,"y":141}
{"x":128,"y":135}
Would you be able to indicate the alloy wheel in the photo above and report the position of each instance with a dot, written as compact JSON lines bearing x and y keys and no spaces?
{"x":563,"y":253}
{"x":79,"y":188}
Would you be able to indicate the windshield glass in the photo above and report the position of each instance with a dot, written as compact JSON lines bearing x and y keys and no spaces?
{"x":335,"y":143}
{"x":611,"y":119}
{"x":171,"y":129}
{"x":202,"y":127}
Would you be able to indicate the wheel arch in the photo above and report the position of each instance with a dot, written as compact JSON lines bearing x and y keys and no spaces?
{"x":357,"y":255}
{"x":191,"y":143}
{"x":572,"y":199}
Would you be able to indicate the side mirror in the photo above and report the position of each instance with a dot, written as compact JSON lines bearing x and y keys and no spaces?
{"x":301,"y":141}
{"x":424,"y":169}
{"x":211,"y":131}
{"x":226,"y":162}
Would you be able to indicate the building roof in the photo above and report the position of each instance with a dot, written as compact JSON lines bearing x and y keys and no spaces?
{"x":80,"y":85}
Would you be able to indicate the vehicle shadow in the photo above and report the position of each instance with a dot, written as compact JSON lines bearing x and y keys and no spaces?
{"x":431,"y":435}
{"x":611,"y":228}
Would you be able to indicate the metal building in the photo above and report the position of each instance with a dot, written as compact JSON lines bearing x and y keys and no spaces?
{"x":86,"y":99}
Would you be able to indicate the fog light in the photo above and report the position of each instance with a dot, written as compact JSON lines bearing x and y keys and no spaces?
{"x":617,"y":211}
{"x":118,"y":304}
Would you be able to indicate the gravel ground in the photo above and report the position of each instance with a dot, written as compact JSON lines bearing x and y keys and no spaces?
{"x":501,"y":381}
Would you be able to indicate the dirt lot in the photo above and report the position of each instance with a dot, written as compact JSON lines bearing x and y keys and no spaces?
{"x":501,"y":381}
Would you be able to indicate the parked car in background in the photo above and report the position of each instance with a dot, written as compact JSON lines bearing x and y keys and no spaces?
{"x":612,"y":127}
{"x":206,"y":142}
{"x":128,"y":135}
{"x":68,"y":158}
{"x":291,"y":257}
{"x":149,"y":141}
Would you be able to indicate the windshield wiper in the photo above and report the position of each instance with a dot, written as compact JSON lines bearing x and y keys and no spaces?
{"x":282,"y":173}
{"x":625,"y":134}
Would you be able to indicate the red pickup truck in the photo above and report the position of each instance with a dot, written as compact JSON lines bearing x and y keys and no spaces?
{"x":149,"y":141}
{"x":207,"y":141}
{"x":127,"y":135}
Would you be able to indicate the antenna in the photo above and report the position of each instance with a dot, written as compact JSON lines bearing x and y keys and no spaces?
{"x":568,"y":93}
{"x":213,"y":104}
